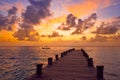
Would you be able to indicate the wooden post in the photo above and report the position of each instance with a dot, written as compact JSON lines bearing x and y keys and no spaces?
{"x":56,"y":57}
{"x":83,"y":51}
{"x":73,"y":49}
{"x":65,"y":53}
{"x":61,"y":54}
{"x":87,"y":56}
{"x":90,"y":62}
{"x":100,"y":69}
{"x":39,"y":69}
{"x":50,"y":61}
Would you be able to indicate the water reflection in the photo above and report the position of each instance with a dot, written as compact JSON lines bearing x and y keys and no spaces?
{"x":17,"y":63}
{"x":109,"y":57}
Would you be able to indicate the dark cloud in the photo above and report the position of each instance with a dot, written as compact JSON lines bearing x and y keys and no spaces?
{"x":27,"y":33}
{"x":3,"y":21}
{"x":44,"y":36}
{"x":34,"y":13}
{"x":70,"y":20}
{"x":63,"y":27}
{"x":84,"y":38}
{"x":103,"y":38}
{"x":12,"y":11}
{"x":85,"y":24}
{"x":116,"y":37}
{"x":7,"y":22}
{"x":99,"y":38}
{"x":38,"y":10}
{"x":106,"y":29}
{"x":80,"y":25}
{"x":109,"y":27}
{"x":115,"y":22}
{"x":55,"y":34}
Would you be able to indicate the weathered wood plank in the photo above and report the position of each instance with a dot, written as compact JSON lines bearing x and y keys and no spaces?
{"x":71,"y":67}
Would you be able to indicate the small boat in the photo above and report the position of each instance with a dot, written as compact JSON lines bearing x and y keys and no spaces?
{"x":46,"y":47}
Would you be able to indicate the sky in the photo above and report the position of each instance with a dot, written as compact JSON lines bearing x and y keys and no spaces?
{"x":60,"y":22}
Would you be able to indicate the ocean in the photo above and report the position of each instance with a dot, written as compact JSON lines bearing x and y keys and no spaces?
{"x":18,"y":63}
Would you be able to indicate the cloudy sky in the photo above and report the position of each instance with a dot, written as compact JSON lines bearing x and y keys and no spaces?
{"x":60,"y":22}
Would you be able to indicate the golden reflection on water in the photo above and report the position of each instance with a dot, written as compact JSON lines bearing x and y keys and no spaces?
{"x":19,"y":62}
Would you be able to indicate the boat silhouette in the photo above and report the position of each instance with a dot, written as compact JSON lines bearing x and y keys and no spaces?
{"x":45,"y":47}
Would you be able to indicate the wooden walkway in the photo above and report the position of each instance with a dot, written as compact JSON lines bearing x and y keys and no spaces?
{"x":73,"y":66}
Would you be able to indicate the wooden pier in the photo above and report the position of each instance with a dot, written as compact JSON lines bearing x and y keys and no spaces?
{"x":70,"y":65}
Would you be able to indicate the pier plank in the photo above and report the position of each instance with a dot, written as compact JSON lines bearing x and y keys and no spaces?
{"x":71,"y":67}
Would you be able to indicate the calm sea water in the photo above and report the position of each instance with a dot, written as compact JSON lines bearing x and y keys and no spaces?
{"x":18,"y":63}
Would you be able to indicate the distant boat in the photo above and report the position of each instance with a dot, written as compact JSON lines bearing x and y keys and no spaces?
{"x":45,"y":47}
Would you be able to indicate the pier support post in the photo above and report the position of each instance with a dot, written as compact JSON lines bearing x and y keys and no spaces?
{"x":39,"y":69}
{"x":62,"y":55}
{"x":100,"y":69}
{"x":86,"y":55}
{"x":90,"y":62}
{"x":83,"y":51}
{"x":65,"y":53}
{"x":50,"y":61}
{"x":56,"y":57}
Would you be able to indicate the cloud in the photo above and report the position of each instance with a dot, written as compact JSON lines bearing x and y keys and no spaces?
{"x":27,"y":33}
{"x":55,"y":34}
{"x":104,"y":29}
{"x":104,"y":38}
{"x":85,"y":24}
{"x":84,"y":38}
{"x":110,"y":26}
{"x":63,"y":27}
{"x":70,"y":20}
{"x":34,"y":13}
{"x":43,"y":35}
{"x":79,"y":25}
{"x":116,"y":37}
{"x":6,"y":4}
{"x":38,"y":10}
{"x":99,"y":38}
{"x":114,"y":21}
{"x":12,"y":11}
{"x":3,"y":22}
{"x":9,"y":21}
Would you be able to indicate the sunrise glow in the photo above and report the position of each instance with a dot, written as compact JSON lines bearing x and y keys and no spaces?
{"x":59,"y":22}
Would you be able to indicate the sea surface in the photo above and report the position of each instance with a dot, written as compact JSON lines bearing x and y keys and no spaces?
{"x":18,"y":63}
